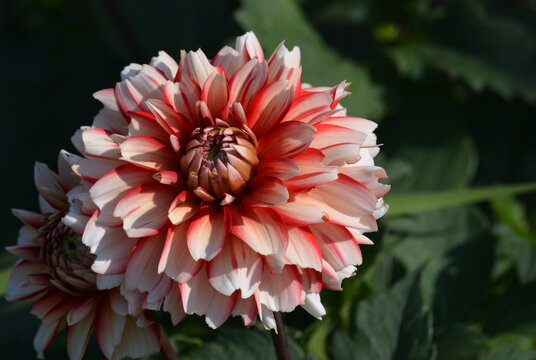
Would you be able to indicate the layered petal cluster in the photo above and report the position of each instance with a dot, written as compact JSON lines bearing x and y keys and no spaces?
{"x":241,"y":191}
{"x":54,"y":274}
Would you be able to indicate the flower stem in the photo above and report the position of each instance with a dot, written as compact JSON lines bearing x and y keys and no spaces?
{"x":165,"y":345}
{"x":280,"y":339}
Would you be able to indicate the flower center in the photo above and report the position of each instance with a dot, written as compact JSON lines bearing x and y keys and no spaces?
{"x":68,"y":259}
{"x":218,"y":161}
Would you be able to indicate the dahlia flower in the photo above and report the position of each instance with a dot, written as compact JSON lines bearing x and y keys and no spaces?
{"x":54,"y":274}
{"x":244,"y":191}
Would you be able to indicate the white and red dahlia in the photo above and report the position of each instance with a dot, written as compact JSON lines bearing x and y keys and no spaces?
{"x":241,"y":190}
{"x":54,"y":274}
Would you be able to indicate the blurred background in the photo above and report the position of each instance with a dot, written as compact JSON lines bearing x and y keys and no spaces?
{"x":452,"y":84}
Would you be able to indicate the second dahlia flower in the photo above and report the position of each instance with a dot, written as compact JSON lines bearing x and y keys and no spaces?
{"x":246,"y":190}
{"x":54,"y":274}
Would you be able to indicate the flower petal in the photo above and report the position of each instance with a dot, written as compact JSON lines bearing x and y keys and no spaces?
{"x":108,"y":328}
{"x":132,"y":93}
{"x":144,"y":209}
{"x":237,"y":267}
{"x":229,"y":59}
{"x":99,"y":143}
{"x":247,"y":308}
{"x":77,"y":336}
{"x":286,"y":140}
{"x":49,"y":186}
{"x":247,"y":82}
{"x":175,"y":259}
{"x":44,"y":337}
{"x":166,"y":64}
{"x":137,"y":341}
{"x":173,"y":304}
{"x":199,"y":297}
{"x":149,"y":153}
{"x":182,"y":97}
{"x":183,"y":207}
{"x":142,"y":269}
{"x":280,"y":292}
{"x":249,"y":46}
{"x":266,"y":191}
{"x":303,"y":249}
{"x":344,"y":202}
{"x":18,"y":287}
{"x":269,"y":107}
{"x":172,"y":122}
{"x":110,"y":244}
{"x":144,"y":124}
{"x":216,"y":92}
{"x":281,"y":168}
{"x":314,"y":306}
{"x":310,"y":108}
{"x":368,"y":176}
{"x":339,"y":248}
{"x":107,"y":192}
{"x":196,"y":65}
{"x":83,"y":309}
{"x":312,"y":171}
{"x":207,"y":232}
{"x":261,"y":229}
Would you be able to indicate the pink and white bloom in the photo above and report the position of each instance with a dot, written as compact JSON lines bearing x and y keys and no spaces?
{"x":54,"y":274}
{"x":245,"y":191}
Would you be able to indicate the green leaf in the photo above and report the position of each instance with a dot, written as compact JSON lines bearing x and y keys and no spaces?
{"x":520,"y":251}
{"x":515,"y":311}
{"x":511,"y":346}
{"x":421,"y":237}
{"x":391,"y":325}
{"x":510,"y":353}
{"x":277,"y":20}
{"x":462,"y":342}
{"x":453,"y":249}
{"x":243,"y":344}
{"x":412,"y":59}
{"x":448,"y":166}
{"x":516,"y":243}
{"x":4,"y":277}
{"x":401,"y":204}
{"x":316,"y":344}
{"x":510,"y":212}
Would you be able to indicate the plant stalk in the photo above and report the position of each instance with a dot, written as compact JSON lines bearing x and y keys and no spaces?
{"x":279,"y":339}
{"x":166,"y":348}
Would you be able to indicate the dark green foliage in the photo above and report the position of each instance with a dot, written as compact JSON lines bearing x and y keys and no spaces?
{"x":452,"y":84}
{"x":394,"y":324}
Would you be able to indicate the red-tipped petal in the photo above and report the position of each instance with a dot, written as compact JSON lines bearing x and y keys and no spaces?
{"x":261,"y":229}
{"x":77,"y":336}
{"x":111,"y":245}
{"x":269,"y":107}
{"x":265,"y":191}
{"x":149,"y":153}
{"x":99,"y":143}
{"x":237,"y":267}
{"x":199,"y":297}
{"x":247,"y":82}
{"x":286,"y":140}
{"x":176,"y":260}
{"x":280,"y":292}
{"x":207,"y":232}
{"x":303,"y":249}
{"x":216,"y":92}
{"x":107,"y":192}
{"x":339,"y":248}
{"x":144,"y":209}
